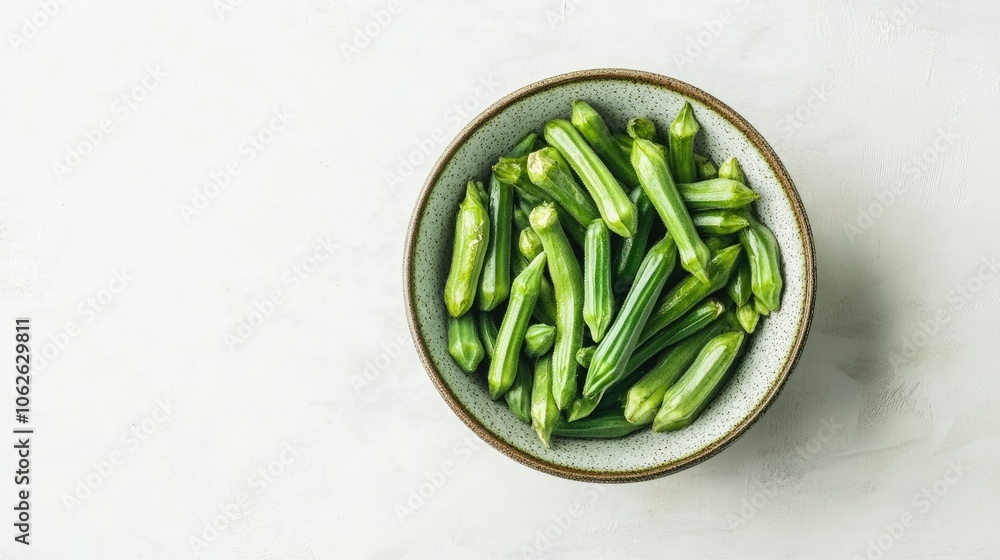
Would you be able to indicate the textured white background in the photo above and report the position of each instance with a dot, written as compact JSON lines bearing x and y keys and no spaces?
{"x":883,"y":444}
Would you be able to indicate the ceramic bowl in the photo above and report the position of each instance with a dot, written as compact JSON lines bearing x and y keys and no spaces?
{"x":618,"y":95}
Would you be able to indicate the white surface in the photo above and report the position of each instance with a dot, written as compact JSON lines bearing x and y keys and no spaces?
{"x":874,"y":89}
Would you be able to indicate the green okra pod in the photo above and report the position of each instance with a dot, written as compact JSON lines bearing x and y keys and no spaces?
{"x":739,"y":284}
{"x":521,"y":218}
{"x":544,"y":411}
{"x":730,"y":169}
{"x":523,"y":294}
{"x":716,"y":194}
{"x":633,"y":249}
{"x":598,"y":301}
{"x":585,"y":355}
{"x":548,"y":171}
{"x":613,"y":353}
{"x":681,"y":133}
{"x":764,"y":257}
{"x":624,"y":142}
{"x":645,"y":397}
{"x":760,"y":307}
{"x":567,"y":279}
{"x":545,"y":306}
{"x":487,"y":332}
{"x":593,"y":128}
{"x":529,"y":244}
{"x":654,"y":176}
{"x":718,"y":222}
{"x":606,"y":425}
{"x":640,"y":127}
{"x":538,"y":339}
{"x":704,"y":168}
{"x":686,"y":294}
{"x":687,"y":398}
{"x":748,"y":317}
{"x":518,"y":397}
{"x":696,"y":320}
{"x":463,"y":342}
{"x":613,"y":204}
{"x":472,"y":235}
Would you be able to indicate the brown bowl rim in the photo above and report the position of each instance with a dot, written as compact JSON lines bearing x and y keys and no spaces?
{"x":783,"y":178}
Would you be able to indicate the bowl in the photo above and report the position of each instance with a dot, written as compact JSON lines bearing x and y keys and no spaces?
{"x":617,"y":94}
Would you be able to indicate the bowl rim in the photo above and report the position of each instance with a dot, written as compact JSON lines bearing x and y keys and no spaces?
{"x":600,"y":74}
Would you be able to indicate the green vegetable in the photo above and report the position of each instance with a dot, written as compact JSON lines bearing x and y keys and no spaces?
{"x":764,"y":256}
{"x":472,"y":235}
{"x":523,"y":293}
{"x":685,"y":400}
{"x":567,"y":279}
{"x":548,"y":170}
{"x":463,"y":342}
{"x":538,"y":339}
{"x":487,"y":332}
{"x":518,"y":397}
{"x":640,"y":127}
{"x":716,"y":194}
{"x":682,"y":132}
{"x":545,"y":306}
{"x":655,"y":178}
{"x":544,"y":412}
{"x":748,"y":317}
{"x":606,"y":425}
{"x":633,"y":249}
{"x":494,"y":284}
{"x":716,"y":243}
{"x":685,"y":295}
{"x":696,"y":320}
{"x":613,"y":353}
{"x":730,"y":169}
{"x":760,"y":307}
{"x":624,"y":142}
{"x":614,"y":206}
{"x":585,"y":355}
{"x":645,"y":397}
{"x":598,"y":301}
{"x":704,"y":168}
{"x":739,"y":284}
{"x":521,"y":218}
{"x":593,"y":128}
{"x":718,"y":222}
{"x":529,"y":244}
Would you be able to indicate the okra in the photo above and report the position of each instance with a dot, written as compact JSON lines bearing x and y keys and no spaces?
{"x":633,"y":249}
{"x":548,"y":171}
{"x":538,"y":339}
{"x":606,"y":425}
{"x":624,"y":142}
{"x":585,"y":355}
{"x":696,"y":320}
{"x":521,"y":218}
{"x":463,"y":342}
{"x":518,"y":397}
{"x":685,"y":400}
{"x":739,"y":284}
{"x":682,"y":132}
{"x":544,"y":411}
{"x":730,"y":169}
{"x":764,"y":256}
{"x":640,"y":127}
{"x":487,"y":332}
{"x":686,"y":294}
{"x":593,"y":128}
{"x":704,"y":168}
{"x":613,"y":353}
{"x":748,"y":317}
{"x":716,"y":194}
{"x":718,"y":222}
{"x":523,"y":293}
{"x":494,"y":284}
{"x":598,"y":301}
{"x":760,"y":307}
{"x":654,"y":176}
{"x":472,"y":235}
{"x":545,"y":306}
{"x":567,"y":279}
{"x":613,"y":204}
{"x":529,"y":244}
{"x":646,"y":396}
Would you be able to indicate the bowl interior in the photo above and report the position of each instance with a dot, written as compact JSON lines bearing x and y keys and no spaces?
{"x":756,"y":379}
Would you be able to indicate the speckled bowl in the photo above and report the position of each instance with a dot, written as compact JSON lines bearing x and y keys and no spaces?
{"x":617,"y":94}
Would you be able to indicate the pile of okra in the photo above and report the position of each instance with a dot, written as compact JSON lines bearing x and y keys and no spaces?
{"x":572,"y":251}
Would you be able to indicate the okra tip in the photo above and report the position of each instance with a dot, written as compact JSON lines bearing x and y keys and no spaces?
{"x":543,"y":216}
{"x":641,"y":127}
{"x":685,"y":125}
